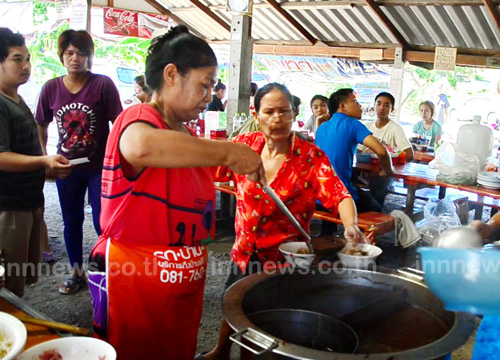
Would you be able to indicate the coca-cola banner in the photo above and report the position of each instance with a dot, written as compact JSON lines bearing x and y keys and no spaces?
{"x":120,"y":22}
{"x":148,"y":23}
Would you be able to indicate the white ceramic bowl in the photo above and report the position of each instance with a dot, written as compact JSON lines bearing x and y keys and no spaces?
{"x":73,"y":348}
{"x":290,"y":252}
{"x":14,"y":331}
{"x":361,"y":262}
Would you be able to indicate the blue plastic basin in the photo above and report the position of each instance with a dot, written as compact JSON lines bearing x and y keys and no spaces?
{"x":465,"y":280}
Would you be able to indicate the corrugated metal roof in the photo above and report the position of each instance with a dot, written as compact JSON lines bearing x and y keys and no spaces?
{"x":420,"y":24}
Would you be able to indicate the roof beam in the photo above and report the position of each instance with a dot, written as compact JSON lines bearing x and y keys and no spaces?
{"x":292,"y":21}
{"x":345,"y":3}
{"x":353,"y":52}
{"x":163,"y":10}
{"x":211,"y":14}
{"x":332,"y":4}
{"x":385,"y":20}
{"x":493,"y":12}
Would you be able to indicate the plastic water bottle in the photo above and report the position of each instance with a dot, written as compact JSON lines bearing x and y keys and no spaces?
{"x":243,"y":119}
{"x":477,"y":139}
{"x":235,"y":121}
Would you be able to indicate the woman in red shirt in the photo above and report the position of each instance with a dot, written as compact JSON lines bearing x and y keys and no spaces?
{"x":300,"y":173}
{"x":148,"y":269}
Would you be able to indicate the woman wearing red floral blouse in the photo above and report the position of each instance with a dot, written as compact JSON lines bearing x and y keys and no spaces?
{"x":300,"y":173}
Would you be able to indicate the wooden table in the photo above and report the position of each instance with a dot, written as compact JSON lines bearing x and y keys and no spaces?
{"x":416,"y":176}
{"x":13,"y":305}
{"x":423,"y":156}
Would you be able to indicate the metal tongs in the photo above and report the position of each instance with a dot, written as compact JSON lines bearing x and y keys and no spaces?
{"x":269,"y":191}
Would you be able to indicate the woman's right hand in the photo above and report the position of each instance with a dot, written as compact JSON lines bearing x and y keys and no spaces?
{"x":243,"y":160}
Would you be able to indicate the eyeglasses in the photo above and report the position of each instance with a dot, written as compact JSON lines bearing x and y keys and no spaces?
{"x":285,"y":114}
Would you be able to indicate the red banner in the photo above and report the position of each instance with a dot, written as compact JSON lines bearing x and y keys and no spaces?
{"x":120,"y":22}
{"x":148,"y":23}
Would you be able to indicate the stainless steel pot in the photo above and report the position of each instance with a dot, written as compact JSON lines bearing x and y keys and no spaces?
{"x":304,"y":328}
{"x":394,"y":315}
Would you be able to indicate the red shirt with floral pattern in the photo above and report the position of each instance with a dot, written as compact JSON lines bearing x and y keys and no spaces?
{"x":304,"y":177}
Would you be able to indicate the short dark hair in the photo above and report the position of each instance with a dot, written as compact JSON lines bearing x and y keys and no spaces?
{"x":179,"y":47}
{"x":267,"y":89}
{"x":386,"y":95}
{"x":337,"y":98}
{"x":296,"y":101}
{"x":253,"y":89}
{"x":9,"y":39}
{"x":219,"y":86}
{"x":79,"y":39}
{"x":318,"y":97}
{"x":141,"y":81}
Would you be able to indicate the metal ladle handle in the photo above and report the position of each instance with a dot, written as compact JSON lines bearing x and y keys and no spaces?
{"x":269,"y":191}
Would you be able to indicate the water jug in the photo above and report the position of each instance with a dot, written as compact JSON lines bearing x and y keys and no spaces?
{"x":476,"y":138}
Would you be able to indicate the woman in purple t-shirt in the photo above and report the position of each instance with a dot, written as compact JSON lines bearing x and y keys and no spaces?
{"x":82,"y":104}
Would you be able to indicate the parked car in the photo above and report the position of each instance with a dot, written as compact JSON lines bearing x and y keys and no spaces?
{"x":487,"y":108}
{"x":122,"y":75}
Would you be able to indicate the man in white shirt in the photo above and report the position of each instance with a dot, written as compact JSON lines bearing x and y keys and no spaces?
{"x":388,"y":132}
{"x":391,"y":135}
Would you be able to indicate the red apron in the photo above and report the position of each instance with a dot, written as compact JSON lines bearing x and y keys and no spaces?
{"x":168,"y":283}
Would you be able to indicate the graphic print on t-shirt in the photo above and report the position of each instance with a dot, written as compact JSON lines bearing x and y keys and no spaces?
{"x":76,"y":123}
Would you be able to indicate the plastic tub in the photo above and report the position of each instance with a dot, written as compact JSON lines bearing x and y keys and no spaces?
{"x":465,"y":280}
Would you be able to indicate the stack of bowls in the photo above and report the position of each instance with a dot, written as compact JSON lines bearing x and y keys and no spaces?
{"x":488,"y":179}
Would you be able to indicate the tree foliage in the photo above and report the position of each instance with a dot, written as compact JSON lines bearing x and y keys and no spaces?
{"x":46,"y":64}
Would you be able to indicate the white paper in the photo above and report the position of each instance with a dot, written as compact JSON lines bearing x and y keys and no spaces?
{"x":79,"y":161}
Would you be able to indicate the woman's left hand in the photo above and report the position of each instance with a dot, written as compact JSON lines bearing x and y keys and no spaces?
{"x":353,"y":233}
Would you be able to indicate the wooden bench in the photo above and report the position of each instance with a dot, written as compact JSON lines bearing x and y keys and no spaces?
{"x":372,"y":223}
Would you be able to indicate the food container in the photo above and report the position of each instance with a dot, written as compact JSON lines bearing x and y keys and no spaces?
{"x":217,"y":134}
{"x":72,"y":348}
{"x":304,"y":328}
{"x":374,"y":160}
{"x":363,"y":157}
{"x":291,"y":252}
{"x":360,"y":261}
{"x":465,"y":280}
{"x":395,"y":316}
{"x":13,"y":336}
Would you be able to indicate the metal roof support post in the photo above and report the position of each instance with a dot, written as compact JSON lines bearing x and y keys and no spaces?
{"x":397,"y":76}
{"x":240,"y":67}
{"x":89,"y":10}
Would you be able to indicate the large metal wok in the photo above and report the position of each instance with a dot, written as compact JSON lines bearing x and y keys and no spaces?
{"x":394,"y":315}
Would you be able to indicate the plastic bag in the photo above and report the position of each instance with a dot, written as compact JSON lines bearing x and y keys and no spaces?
{"x":491,"y":164}
{"x":439,"y":215}
{"x":455,"y":164}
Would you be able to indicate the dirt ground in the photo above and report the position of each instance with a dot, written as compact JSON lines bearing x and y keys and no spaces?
{"x":77,"y":309}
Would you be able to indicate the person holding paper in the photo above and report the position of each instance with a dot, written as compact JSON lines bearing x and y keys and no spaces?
{"x":22,"y":169}
{"x":82,"y":103}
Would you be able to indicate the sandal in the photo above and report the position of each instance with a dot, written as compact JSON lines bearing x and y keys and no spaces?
{"x":48,"y":257}
{"x":201,"y":356}
{"x":71,"y":285}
